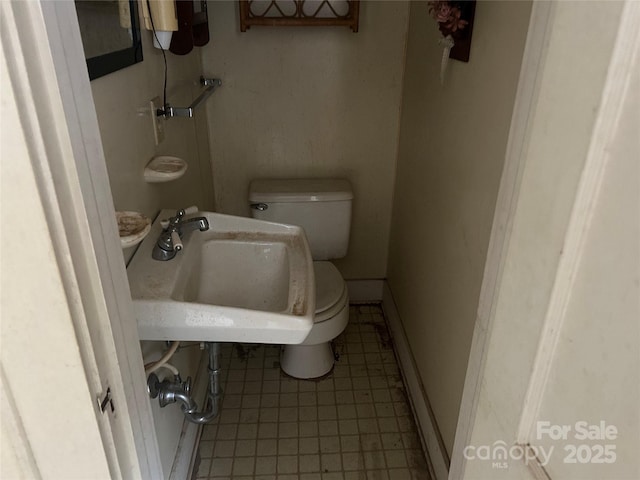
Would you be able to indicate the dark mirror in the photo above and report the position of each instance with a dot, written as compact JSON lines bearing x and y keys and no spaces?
{"x":110,"y":34}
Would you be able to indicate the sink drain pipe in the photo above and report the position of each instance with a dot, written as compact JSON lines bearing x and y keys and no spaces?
{"x":174,"y":391}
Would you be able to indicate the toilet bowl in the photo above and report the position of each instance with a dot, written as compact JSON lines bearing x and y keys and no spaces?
{"x":314,"y":357}
{"x":323,"y":208}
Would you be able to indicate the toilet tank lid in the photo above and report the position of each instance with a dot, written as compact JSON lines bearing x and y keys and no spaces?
{"x":300,"y":190}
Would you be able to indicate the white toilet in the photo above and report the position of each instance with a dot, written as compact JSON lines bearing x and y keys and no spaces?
{"x":323,"y":208}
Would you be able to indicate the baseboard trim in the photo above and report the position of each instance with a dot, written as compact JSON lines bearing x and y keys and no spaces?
{"x":431,"y":438}
{"x":365,"y":291}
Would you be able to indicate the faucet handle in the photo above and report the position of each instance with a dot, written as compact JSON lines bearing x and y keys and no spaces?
{"x":190,"y":210}
{"x":185,"y":211}
{"x":176,"y":241}
{"x":178,"y":217}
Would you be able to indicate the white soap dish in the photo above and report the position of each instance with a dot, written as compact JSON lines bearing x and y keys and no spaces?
{"x":164,"y":169}
{"x":132,"y":227}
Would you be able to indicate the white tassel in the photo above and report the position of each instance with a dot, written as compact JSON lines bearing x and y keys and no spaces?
{"x":448,"y":43}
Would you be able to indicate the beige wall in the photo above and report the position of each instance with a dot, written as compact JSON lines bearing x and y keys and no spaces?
{"x":452,"y":145}
{"x":303,"y":102}
{"x":122,"y":104}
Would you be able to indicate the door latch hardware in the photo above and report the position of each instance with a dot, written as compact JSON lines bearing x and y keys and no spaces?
{"x":107,"y":400}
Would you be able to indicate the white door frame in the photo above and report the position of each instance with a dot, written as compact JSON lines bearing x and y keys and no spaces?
{"x":615,"y":92}
{"x":49,"y":75}
{"x":502,"y":224}
{"x":559,"y":285}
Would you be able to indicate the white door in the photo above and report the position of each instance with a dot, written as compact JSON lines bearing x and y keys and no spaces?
{"x":74,"y":402}
{"x":585,"y":394}
{"x":553,"y":384}
{"x":48,"y":415}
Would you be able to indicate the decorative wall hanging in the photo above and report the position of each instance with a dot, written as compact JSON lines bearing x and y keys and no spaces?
{"x":455,"y":21}
{"x":299,"y":13}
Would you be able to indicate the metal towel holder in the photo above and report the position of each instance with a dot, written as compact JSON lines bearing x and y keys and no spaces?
{"x":169,"y":111}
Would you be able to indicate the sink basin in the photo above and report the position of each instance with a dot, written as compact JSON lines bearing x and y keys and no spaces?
{"x":256,"y":274}
{"x":243,"y":280}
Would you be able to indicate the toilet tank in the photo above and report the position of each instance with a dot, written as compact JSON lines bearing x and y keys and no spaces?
{"x":321,"y":206}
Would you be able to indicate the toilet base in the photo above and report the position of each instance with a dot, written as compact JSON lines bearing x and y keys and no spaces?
{"x":314,"y":357}
{"x":307,"y":361}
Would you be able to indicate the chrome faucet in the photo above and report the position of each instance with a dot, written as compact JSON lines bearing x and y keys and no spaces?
{"x":169,"y":242}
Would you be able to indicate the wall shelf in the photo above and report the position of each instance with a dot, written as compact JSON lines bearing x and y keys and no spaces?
{"x":299,"y":13}
{"x":132,"y":227}
{"x":164,"y":169}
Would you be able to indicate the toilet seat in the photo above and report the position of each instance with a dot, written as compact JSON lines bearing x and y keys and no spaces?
{"x":331,"y":291}
{"x":333,"y":311}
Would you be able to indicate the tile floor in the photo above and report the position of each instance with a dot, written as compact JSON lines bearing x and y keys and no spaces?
{"x":354,"y":423}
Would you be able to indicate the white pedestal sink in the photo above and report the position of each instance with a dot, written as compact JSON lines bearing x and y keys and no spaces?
{"x":243,"y":280}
